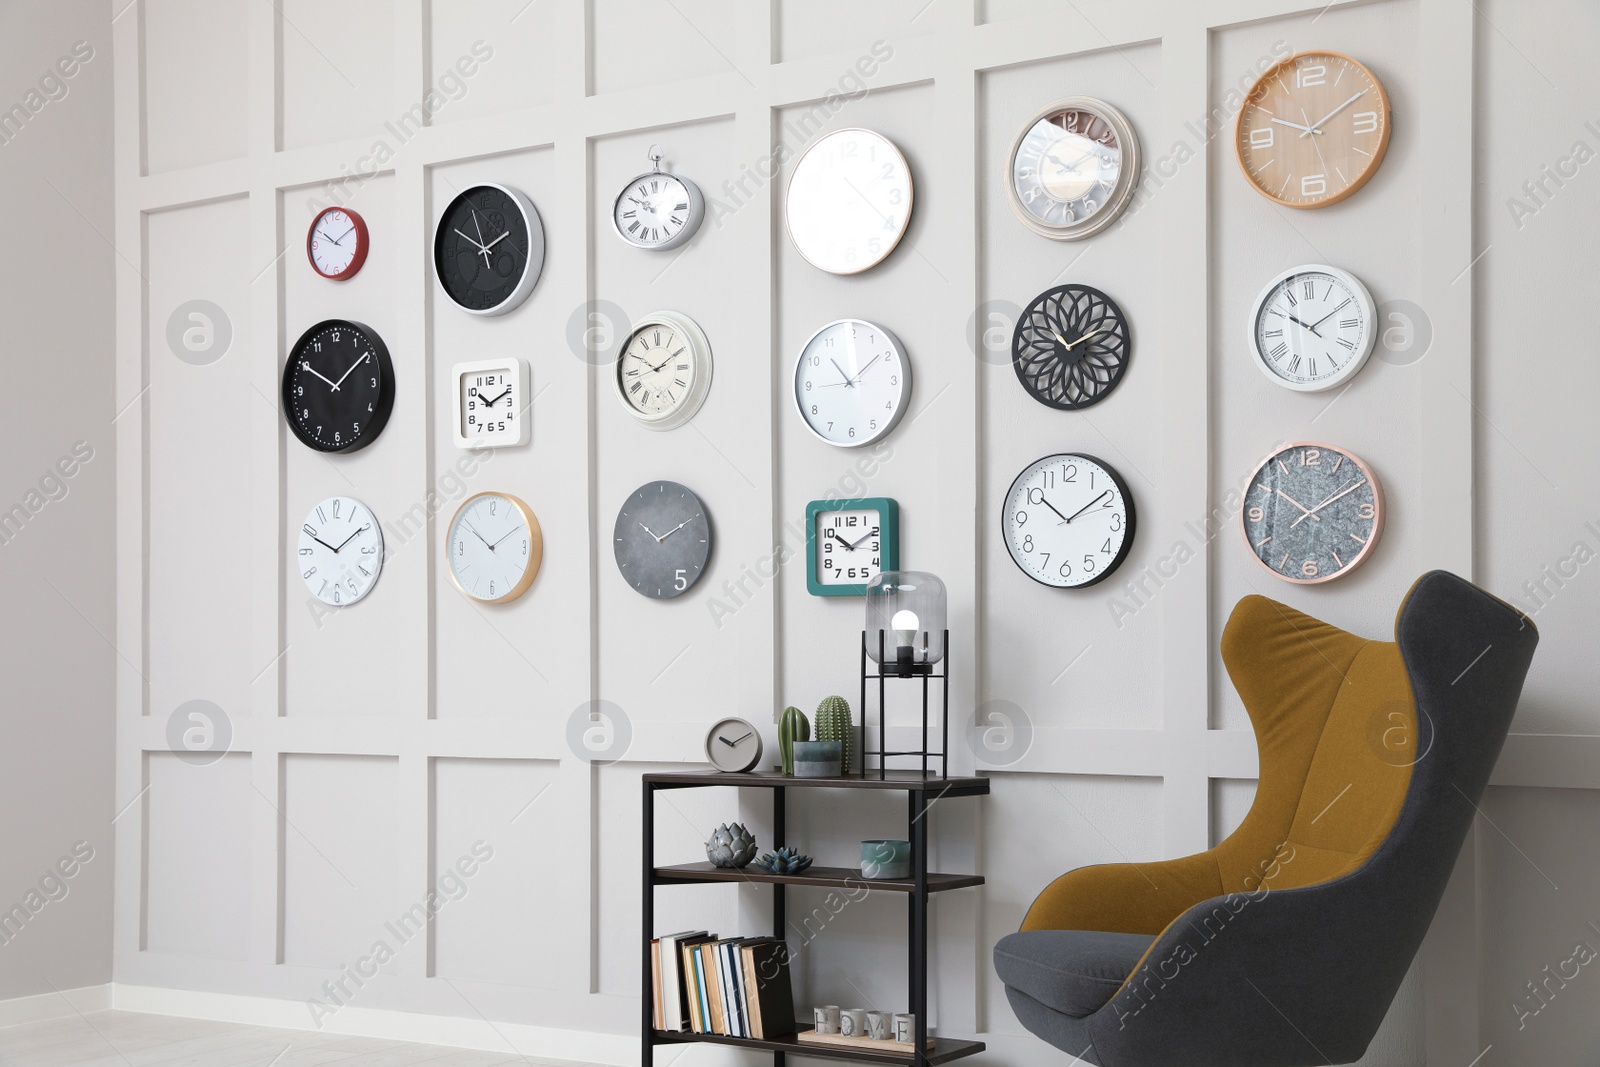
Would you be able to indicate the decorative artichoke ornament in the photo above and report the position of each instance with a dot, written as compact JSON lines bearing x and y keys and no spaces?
{"x":731,"y":846}
{"x":784,"y":861}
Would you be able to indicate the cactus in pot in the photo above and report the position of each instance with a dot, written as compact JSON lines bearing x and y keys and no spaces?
{"x":833,"y":723}
{"x":792,"y":726}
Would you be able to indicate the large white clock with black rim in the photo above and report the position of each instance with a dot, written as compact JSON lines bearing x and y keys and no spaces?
{"x":852,"y":382}
{"x":1312,"y":327}
{"x":1068,"y":520}
{"x":488,"y":249}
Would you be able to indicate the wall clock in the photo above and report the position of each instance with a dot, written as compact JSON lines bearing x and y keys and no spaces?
{"x":1313,"y":129}
{"x":1312,"y":327}
{"x":1071,"y":347}
{"x":849,"y":542}
{"x":493,"y":407}
{"x":1073,"y":168}
{"x":495,"y":548}
{"x":733,"y":745}
{"x":1068,"y":520}
{"x":1312,"y":513}
{"x":338,"y":386}
{"x":341,"y":550}
{"x":337,"y":243}
{"x":662,"y":540}
{"x":663,"y":372}
{"x":849,"y":201}
{"x":488,"y":249}
{"x":852,"y":382}
{"x":657,"y":210}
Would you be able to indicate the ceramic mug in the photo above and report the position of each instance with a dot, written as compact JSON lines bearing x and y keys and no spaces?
{"x":880,"y":1025}
{"x":905,"y":1027}
{"x":853,"y":1022}
{"x":826,"y":1019}
{"x":886,"y":859}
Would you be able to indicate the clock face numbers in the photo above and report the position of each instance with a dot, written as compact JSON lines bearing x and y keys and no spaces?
{"x":337,"y":243}
{"x":733,"y":745}
{"x":1312,"y":513}
{"x":1071,"y":347}
{"x":849,"y":201}
{"x":1073,"y":168}
{"x":662,"y":540}
{"x":658,"y":211}
{"x":341,"y":551}
{"x":492,"y":403}
{"x":1068,"y":521}
{"x":663,"y":373}
{"x":849,"y":547}
{"x":1312,"y":328}
{"x":489,"y":249}
{"x":852,"y":382}
{"x":495,"y":548}
{"x":338,"y":386}
{"x":1313,"y":130}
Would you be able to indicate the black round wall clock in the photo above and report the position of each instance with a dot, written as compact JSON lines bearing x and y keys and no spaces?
{"x":488,"y":249}
{"x":1071,"y":347}
{"x":338,"y":386}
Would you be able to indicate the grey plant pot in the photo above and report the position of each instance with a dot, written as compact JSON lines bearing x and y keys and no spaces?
{"x":817,"y":759}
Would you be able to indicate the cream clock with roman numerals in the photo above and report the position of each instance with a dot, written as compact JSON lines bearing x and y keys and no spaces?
{"x":341,"y":551}
{"x":663,"y":373}
{"x":1312,"y":327}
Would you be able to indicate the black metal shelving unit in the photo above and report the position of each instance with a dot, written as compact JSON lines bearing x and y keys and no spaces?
{"x":922,"y":792}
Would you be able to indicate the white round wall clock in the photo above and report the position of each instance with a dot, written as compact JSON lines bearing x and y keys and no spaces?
{"x":852,"y":382}
{"x":849,"y":201}
{"x":341,"y":551}
{"x":1073,"y":168}
{"x":658,"y":210}
{"x":663,"y":373}
{"x":1312,"y":327}
{"x":1068,"y":520}
{"x":495,"y":548}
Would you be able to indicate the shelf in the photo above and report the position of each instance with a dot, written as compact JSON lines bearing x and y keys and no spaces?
{"x":826,"y":877}
{"x":944,"y":1049}
{"x":903,"y":781}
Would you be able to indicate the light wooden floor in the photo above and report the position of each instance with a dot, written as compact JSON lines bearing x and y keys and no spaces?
{"x":128,"y":1039}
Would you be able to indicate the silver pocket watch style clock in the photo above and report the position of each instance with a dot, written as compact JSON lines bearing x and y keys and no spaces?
{"x":657,"y":210}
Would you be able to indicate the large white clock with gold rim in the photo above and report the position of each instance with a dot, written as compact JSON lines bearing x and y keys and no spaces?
{"x":849,"y":201}
{"x":495,"y":548}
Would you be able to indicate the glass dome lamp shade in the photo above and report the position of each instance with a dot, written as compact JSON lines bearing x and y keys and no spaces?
{"x":906,"y":621}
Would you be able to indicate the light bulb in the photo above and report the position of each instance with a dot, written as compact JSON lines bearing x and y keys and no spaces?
{"x":905,"y":625}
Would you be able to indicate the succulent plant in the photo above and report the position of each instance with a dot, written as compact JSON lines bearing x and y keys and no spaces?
{"x":792,"y":726}
{"x":834,"y":723}
{"x":784,"y":861}
{"x":731,"y":846}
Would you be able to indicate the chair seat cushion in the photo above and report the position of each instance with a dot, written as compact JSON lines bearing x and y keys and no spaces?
{"x":1074,"y":972}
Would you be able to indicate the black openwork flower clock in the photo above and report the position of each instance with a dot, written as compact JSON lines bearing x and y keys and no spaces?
{"x":1071,"y":347}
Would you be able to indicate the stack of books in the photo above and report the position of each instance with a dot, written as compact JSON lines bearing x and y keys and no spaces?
{"x":737,"y":986}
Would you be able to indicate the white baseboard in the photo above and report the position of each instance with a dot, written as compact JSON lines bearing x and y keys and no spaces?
{"x":538,"y":1042}
{"x":45,"y":1006}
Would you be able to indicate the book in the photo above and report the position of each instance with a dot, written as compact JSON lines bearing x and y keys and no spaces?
{"x":655,"y":984}
{"x":772,"y":992}
{"x":694,"y":984}
{"x":716,"y":1023}
{"x":730,"y":1023}
{"x":674,"y":1005}
{"x":747,"y":956}
{"x":730,"y":964}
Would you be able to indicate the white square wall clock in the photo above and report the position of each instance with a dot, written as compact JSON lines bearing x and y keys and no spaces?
{"x":493,"y":405}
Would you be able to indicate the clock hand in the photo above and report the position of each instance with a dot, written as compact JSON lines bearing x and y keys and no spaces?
{"x":306,"y":366}
{"x":842,"y":541}
{"x":865,"y":365}
{"x":674,"y":530}
{"x":497,"y":240}
{"x":842,"y":374}
{"x":347,"y":540}
{"x":649,"y":531}
{"x":1319,"y":322}
{"x":483,"y":249}
{"x":1312,"y":514}
{"x":1297,"y":504}
{"x":468,"y":239}
{"x":1294,"y":125}
{"x":735,"y":742}
{"x":1082,"y":339}
{"x":353,"y":366}
{"x":325,"y":544}
{"x":1052,"y":507}
{"x":855,"y":544}
{"x":325,"y":234}
{"x":1302,"y":325}
{"x":340,"y":239}
{"x":503,"y":536}
{"x":478,"y":535}
{"x":1335,"y":111}
{"x":1087,"y":506}
{"x":496,"y":400}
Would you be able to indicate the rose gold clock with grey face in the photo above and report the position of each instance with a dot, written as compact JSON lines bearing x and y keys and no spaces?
{"x":1313,"y":129}
{"x":1313,"y":512}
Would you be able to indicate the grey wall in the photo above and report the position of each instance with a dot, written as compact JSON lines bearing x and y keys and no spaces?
{"x":57,"y":494}
{"x":371,"y":748}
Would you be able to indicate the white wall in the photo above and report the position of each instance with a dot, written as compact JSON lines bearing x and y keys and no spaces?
{"x":372,"y":748}
{"x":57,"y":551}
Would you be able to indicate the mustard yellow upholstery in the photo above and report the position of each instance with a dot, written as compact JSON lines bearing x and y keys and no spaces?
{"x":1333,"y":777}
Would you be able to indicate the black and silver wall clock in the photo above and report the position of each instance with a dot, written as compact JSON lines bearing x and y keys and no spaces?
{"x":338,"y":386}
{"x":1071,"y":347}
{"x":658,"y":210}
{"x":1312,"y":513}
{"x":662,"y":540}
{"x":488,"y":249}
{"x":1068,"y":520}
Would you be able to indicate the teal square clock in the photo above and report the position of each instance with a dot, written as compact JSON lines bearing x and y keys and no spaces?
{"x":849,"y":542}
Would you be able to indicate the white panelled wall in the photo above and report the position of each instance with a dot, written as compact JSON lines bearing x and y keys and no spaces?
{"x":380,"y":751}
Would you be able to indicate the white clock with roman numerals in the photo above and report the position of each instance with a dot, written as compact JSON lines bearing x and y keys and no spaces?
{"x":341,"y":551}
{"x":1312,"y":328}
{"x":663,"y":374}
{"x":658,"y":210}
